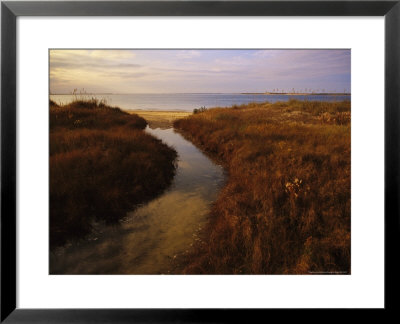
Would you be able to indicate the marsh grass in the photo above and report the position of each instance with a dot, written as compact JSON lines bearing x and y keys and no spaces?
{"x":102,"y":164}
{"x":286,"y":206}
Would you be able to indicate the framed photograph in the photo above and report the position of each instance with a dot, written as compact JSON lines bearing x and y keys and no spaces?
{"x":198,"y":161}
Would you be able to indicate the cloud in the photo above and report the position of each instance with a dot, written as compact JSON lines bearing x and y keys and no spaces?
{"x":127,"y":71}
{"x":187,"y":54}
{"x":89,"y":64}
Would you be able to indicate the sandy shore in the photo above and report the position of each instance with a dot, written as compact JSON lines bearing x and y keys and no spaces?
{"x":160,"y":119}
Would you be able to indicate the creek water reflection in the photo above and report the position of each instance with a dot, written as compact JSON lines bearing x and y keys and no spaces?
{"x":145,"y":240}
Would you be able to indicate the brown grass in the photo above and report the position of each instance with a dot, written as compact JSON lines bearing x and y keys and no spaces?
{"x":102,"y":164}
{"x":286,"y":206}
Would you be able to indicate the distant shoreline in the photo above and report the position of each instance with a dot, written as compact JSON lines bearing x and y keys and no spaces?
{"x":295,"y":94}
{"x":213,"y":93}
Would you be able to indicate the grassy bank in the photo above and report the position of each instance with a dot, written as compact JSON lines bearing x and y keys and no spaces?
{"x":102,"y":164}
{"x":286,"y":205}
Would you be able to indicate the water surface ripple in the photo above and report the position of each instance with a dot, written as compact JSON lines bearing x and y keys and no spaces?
{"x":190,"y":101}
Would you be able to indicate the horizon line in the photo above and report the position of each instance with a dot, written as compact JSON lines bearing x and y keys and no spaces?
{"x":255,"y":92}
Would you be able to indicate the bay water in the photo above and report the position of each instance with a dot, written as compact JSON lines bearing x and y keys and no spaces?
{"x":189,"y":101}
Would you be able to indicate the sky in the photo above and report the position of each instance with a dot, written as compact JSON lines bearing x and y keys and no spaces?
{"x":199,"y":71}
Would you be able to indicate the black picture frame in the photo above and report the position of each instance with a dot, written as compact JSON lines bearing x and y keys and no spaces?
{"x":11,"y":10}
